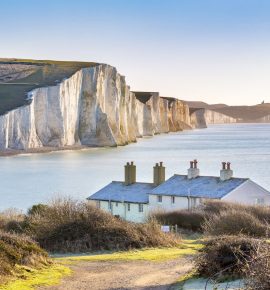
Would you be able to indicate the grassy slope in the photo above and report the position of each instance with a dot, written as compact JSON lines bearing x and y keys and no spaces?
{"x":46,"y":73}
{"x":247,"y":113}
{"x":157,"y":254}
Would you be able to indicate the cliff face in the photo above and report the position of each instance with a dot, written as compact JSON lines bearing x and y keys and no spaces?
{"x":265,"y":119}
{"x":202,"y":117}
{"x":94,"y":107}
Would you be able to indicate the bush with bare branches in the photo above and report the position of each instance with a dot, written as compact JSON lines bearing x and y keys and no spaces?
{"x":234,"y":222}
{"x":69,"y":226}
{"x":226,"y":256}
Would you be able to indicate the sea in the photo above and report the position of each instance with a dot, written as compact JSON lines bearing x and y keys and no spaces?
{"x":29,"y":179}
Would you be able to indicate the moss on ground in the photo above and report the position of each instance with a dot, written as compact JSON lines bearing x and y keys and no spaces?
{"x":29,"y":278}
{"x":188,"y":247}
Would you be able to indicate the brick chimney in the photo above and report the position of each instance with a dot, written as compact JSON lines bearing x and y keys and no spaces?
{"x":193,"y":171}
{"x":226,"y":173}
{"x":130,"y":173}
{"x":159,"y":173}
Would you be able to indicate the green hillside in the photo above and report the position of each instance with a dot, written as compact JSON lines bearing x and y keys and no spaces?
{"x":19,"y":76}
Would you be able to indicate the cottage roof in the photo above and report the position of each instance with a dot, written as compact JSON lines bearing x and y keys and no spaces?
{"x":118,"y":191}
{"x":201,"y":186}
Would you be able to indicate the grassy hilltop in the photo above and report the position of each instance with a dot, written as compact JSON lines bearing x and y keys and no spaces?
{"x":19,"y":76}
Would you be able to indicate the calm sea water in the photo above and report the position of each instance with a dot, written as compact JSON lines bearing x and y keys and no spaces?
{"x":30,"y":179}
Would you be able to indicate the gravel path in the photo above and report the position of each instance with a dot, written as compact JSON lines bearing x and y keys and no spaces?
{"x":124,"y":275}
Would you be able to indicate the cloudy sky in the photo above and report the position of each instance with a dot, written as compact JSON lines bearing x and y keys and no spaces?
{"x":217,"y":51}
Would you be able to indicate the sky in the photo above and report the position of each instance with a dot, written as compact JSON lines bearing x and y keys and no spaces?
{"x":216,"y":51}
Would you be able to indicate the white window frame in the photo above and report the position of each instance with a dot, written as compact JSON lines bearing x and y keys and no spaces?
{"x":109,"y":205}
{"x":128,"y":206}
{"x":159,"y":198}
{"x":259,"y":201}
{"x":140,"y":207}
{"x":172,"y":199}
{"x":98,"y":203}
{"x":116,"y":203}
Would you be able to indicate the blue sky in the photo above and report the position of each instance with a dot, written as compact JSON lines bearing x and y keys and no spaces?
{"x":211,"y":50}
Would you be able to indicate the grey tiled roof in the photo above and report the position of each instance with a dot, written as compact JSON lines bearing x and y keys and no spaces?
{"x":118,"y":191}
{"x":201,"y":186}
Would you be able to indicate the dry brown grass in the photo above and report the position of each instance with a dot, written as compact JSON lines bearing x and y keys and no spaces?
{"x":69,"y":226}
{"x":235,"y":222}
{"x":220,"y":218}
{"x":257,"y":269}
{"x":19,"y":250}
{"x":184,"y":219}
{"x":227,"y":256}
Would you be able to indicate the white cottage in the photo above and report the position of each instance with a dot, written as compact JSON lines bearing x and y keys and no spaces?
{"x":133,"y":200}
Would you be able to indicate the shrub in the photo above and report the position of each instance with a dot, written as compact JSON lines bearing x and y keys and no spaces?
{"x":189,"y":220}
{"x":225,"y":256}
{"x":234,"y":222}
{"x":257,"y":269}
{"x":69,"y":226}
{"x":12,"y":220}
{"x":19,"y":250}
{"x":211,"y":207}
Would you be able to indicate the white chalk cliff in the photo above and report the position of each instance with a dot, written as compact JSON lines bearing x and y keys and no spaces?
{"x":94,"y":107}
{"x":200,"y":118}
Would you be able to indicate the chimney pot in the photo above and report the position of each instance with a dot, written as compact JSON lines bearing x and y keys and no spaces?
{"x":193,"y":171}
{"x":159,"y":174}
{"x":223,"y":165}
{"x":130,"y":173}
{"x":226,"y":173}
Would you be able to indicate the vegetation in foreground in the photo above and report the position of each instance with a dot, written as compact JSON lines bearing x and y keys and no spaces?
{"x":233,"y":245}
{"x":236,"y":241}
{"x":65,"y":226}
{"x":215,"y":218}
{"x":24,"y":264}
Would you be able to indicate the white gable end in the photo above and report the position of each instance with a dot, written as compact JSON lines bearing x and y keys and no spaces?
{"x":249,"y":193}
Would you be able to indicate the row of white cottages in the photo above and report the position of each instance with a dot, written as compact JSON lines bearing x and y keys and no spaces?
{"x":134,"y":201}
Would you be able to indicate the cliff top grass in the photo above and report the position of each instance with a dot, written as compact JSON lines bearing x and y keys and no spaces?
{"x":19,"y":76}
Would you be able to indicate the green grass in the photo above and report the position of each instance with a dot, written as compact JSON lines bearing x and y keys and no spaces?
{"x":45,"y":73}
{"x":189,"y":247}
{"x":28,"y":278}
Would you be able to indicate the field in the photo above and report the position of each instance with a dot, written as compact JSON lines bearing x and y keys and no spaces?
{"x":19,"y":76}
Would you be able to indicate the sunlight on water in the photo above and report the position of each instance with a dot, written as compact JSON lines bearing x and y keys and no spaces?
{"x":29,"y":179}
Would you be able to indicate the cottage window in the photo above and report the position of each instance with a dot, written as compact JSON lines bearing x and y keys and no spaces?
{"x":116,"y":204}
{"x":98,"y":203}
{"x":110,"y":205}
{"x":173,"y":199}
{"x":159,"y":198}
{"x":140,"y":207}
{"x":259,"y":201}
{"x":128,"y":206}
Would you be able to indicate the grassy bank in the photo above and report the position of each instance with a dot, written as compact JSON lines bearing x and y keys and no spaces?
{"x":186,"y":248}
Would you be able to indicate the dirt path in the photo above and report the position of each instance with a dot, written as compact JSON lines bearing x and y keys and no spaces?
{"x":124,"y":275}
